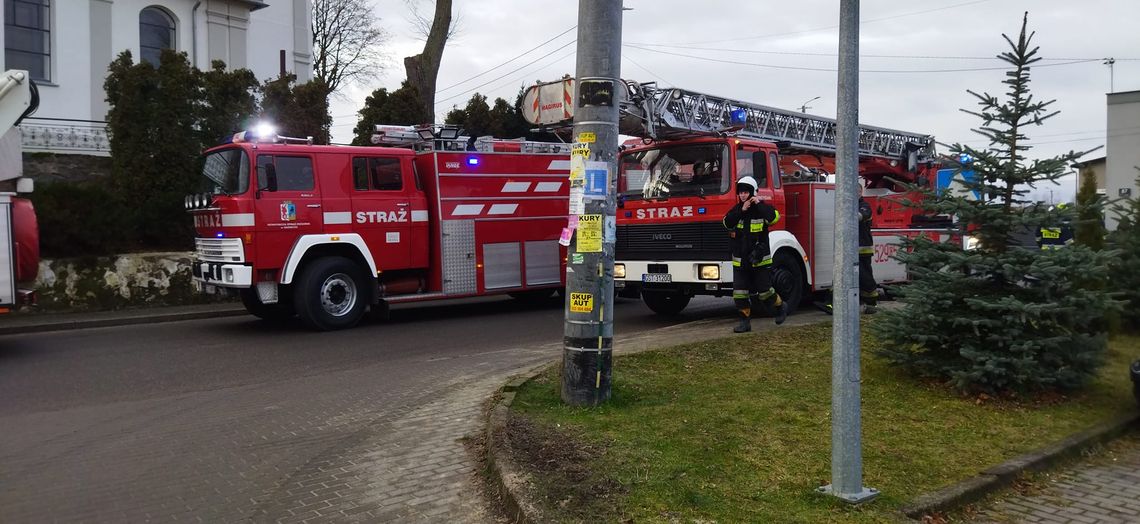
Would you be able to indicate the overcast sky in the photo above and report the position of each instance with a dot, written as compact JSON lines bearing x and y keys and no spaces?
{"x":742,"y":50}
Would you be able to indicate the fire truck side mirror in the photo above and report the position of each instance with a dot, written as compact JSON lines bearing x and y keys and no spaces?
{"x":269,"y":181}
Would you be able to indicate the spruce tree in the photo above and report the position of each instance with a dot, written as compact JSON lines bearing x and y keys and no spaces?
{"x":1126,"y":265}
{"x":1001,"y":317}
{"x":1090,"y":215}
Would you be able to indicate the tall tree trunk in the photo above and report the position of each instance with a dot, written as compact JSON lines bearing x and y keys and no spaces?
{"x":423,"y":68}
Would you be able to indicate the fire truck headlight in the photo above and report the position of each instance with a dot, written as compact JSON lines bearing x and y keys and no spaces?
{"x":186,"y":202}
{"x":709,"y":272}
{"x":228,"y":274}
{"x":619,"y":270}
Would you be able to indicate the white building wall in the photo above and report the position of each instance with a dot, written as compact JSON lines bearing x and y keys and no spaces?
{"x":1122,"y":150}
{"x":67,"y":95}
{"x":82,"y":30}
{"x":283,"y":26}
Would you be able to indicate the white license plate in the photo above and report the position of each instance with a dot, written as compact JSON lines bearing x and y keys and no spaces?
{"x":656,"y":277}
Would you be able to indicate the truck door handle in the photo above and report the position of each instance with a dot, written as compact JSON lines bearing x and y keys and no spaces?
{"x":312,"y":205}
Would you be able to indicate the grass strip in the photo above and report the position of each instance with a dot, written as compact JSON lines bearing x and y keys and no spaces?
{"x":738,"y":430}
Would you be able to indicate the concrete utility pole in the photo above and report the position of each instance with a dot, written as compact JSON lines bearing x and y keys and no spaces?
{"x":587,"y":351}
{"x":846,"y":426}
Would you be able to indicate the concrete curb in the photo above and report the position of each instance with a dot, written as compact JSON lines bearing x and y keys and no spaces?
{"x":61,"y":323}
{"x":1002,"y":475}
{"x":505,"y":477}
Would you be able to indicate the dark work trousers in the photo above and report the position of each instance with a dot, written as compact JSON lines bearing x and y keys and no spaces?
{"x":868,"y":288}
{"x":752,"y":287}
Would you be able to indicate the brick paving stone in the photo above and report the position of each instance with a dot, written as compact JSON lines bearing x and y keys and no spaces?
{"x":1100,"y":490}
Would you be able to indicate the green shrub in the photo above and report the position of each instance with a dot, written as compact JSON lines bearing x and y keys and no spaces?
{"x":80,"y":219}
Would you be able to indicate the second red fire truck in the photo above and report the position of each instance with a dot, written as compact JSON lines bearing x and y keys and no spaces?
{"x":676,"y":182}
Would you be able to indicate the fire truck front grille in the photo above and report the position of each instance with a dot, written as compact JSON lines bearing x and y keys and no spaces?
{"x":693,"y":241}
{"x":219,"y":250}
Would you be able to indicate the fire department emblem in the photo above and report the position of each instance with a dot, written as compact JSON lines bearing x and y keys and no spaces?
{"x":288,"y":211}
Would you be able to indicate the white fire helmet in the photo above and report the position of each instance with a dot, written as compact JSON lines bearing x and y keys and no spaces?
{"x":746,"y":181}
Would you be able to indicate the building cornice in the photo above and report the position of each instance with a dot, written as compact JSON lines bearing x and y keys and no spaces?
{"x":254,"y":5}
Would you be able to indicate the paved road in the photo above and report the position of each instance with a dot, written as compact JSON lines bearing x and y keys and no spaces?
{"x":1104,"y":489}
{"x":236,"y":419}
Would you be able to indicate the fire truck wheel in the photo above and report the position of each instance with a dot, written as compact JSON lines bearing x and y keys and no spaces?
{"x":665,"y":303}
{"x":788,"y":279}
{"x":273,"y":312}
{"x":330,"y":294}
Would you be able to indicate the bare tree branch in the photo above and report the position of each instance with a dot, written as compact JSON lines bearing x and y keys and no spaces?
{"x":348,"y":42}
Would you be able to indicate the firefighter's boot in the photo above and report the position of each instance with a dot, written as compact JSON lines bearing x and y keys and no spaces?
{"x":781,"y":313}
{"x":781,"y":310}
{"x":745,"y":322}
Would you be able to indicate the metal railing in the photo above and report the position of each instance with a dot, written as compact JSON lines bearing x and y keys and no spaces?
{"x":63,"y":135}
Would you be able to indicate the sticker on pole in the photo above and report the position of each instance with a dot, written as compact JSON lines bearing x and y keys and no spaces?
{"x":577,"y":201}
{"x":577,"y":258}
{"x":597,"y":180}
{"x":587,"y":137}
{"x":581,"y":302}
{"x":589,"y":234}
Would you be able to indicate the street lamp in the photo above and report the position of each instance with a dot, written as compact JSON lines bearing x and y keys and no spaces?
{"x":804,"y":107}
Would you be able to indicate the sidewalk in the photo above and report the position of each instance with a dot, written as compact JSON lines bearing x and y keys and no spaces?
{"x":38,"y":322}
{"x":1104,"y":488}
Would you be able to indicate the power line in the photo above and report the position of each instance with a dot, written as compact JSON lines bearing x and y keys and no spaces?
{"x":832,"y":55}
{"x":832,"y":70}
{"x":867,"y":21}
{"x":476,"y":88}
{"x":643,"y":68}
{"x":524,"y":53}
{"x":531,"y":72}
{"x":1033,"y":142}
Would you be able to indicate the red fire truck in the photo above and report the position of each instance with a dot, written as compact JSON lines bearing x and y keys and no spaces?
{"x":676,"y":183}
{"x":19,"y":229}
{"x":325,"y":232}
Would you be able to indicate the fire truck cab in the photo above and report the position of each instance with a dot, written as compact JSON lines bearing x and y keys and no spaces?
{"x":672,"y":244}
{"x":325,"y":232}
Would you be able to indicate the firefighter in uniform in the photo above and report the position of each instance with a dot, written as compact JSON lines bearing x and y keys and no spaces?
{"x":1055,"y":237}
{"x":748,"y":223}
{"x":868,"y":288}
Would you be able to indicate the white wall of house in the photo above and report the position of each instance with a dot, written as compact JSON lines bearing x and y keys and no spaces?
{"x":1122,"y":150}
{"x":86,"y":35}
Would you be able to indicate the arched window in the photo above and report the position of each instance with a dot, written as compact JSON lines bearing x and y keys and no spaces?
{"x":156,"y":32}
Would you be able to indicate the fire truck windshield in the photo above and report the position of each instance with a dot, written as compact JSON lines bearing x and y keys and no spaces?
{"x":673,"y":171}
{"x":228,"y":169}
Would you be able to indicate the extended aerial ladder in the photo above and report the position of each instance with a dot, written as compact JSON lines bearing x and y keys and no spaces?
{"x":671,"y":113}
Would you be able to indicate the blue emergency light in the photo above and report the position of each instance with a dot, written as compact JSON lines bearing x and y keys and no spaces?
{"x":220,"y":235}
{"x":738,"y":116}
{"x":472,"y":161}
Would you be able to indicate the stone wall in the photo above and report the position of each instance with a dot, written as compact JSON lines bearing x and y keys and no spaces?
{"x":118,"y":282}
{"x":47,"y":168}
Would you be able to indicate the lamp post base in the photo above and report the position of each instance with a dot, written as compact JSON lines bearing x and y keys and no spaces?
{"x":866,"y":495}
